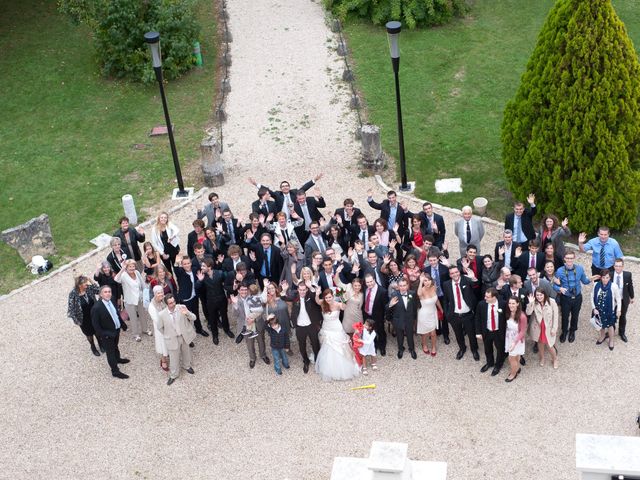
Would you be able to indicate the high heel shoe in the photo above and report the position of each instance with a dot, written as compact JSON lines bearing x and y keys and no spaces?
{"x":610,"y":347}
{"x":433,"y":354}
{"x":599,"y":342}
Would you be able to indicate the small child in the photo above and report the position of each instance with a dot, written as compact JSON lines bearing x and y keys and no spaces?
{"x":279,"y":343}
{"x":255,"y":310}
{"x":368,"y":348}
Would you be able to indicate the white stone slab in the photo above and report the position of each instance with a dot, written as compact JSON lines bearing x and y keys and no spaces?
{"x":388,"y":457}
{"x":189,"y":190}
{"x":446,"y":185}
{"x":101,"y":240}
{"x":608,"y":454}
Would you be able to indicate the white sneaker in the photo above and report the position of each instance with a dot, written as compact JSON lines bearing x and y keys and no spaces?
{"x":150,"y":333}
{"x":364,"y":371}
{"x":138,"y":339}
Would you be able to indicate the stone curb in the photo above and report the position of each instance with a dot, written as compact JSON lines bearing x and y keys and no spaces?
{"x":457,"y":211}
{"x":95,"y":251}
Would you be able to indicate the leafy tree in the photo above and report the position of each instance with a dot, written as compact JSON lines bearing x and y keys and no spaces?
{"x":572,"y":132}
{"x":413,"y":13}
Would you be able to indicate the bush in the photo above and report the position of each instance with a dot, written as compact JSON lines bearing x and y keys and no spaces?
{"x":412,"y":13}
{"x":118,"y":29}
{"x":572,"y":132}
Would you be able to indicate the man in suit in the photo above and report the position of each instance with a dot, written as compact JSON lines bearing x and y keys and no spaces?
{"x":283,"y":230}
{"x":514,"y":289}
{"x":307,"y":209}
{"x":373,"y":266}
{"x":233,"y":258}
{"x":361,"y":231}
{"x":231,"y":230}
{"x":241,"y":310}
{"x":213,"y":210}
{"x":187,"y":294}
{"x":625,"y":283}
{"x":491,"y":326}
{"x":266,"y":261}
{"x":174,"y":323}
{"x":469,"y":230}
{"x":432,"y":224}
{"x":315,"y":242}
{"x":471,"y":266}
{"x":347,"y":215}
{"x":212,"y":281}
{"x":533,"y":257}
{"x":403,"y":310}
{"x":264,"y":206}
{"x":307,"y":319}
{"x":374,"y":308}
{"x":129,"y":240}
{"x":536,"y":282}
{"x":505,"y":251}
{"x":286,"y":196}
{"x":107,"y":323}
{"x":459,"y":306}
{"x":198,"y":259}
{"x":390,"y":209}
{"x":520,"y":221}
{"x":440,"y":274}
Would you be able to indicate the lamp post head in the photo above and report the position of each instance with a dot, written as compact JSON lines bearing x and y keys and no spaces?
{"x":393,"y":32}
{"x":153,"y":39}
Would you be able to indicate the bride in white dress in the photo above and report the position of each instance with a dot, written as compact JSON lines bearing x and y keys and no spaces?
{"x":428,"y":313}
{"x":336,"y":360}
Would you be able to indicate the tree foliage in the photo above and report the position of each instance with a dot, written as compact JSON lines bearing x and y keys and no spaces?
{"x":119,"y":26}
{"x":572,"y":132}
{"x":413,"y":13}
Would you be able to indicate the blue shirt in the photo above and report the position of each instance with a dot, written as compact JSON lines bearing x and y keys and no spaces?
{"x":393,"y":212}
{"x":611,"y":251}
{"x":572,"y":280}
{"x":267,"y":261}
{"x":518,"y":234}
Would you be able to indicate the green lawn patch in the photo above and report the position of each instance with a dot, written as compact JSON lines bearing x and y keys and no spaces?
{"x":67,"y":135}
{"x":455,"y":81}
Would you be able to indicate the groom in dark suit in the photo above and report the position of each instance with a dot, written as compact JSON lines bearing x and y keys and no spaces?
{"x":403,"y":309}
{"x":459,"y":306}
{"x":107,"y":323}
{"x":491,"y":326}
{"x":373,"y":308}
{"x":307,"y":320}
{"x":625,"y":283}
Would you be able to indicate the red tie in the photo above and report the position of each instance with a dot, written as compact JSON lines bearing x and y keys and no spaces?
{"x":368,"y":301}
{"x":493,"y":318}
{"x":458,"y":297}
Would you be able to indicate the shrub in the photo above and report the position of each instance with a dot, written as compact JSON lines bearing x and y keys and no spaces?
{"x":572,"y":132}
{"x":412,"y":13}
{"x":118,"y":30}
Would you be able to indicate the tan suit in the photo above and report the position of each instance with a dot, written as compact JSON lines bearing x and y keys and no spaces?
{"x":550,"y":314}
{"x":178,"y":333}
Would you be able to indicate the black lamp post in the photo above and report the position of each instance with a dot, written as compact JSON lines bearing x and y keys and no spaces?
{"x":153,"y":39}
{"x":393,"y":32}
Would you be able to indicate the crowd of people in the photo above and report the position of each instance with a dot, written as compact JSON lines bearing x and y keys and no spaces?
{"x":341,"y":285}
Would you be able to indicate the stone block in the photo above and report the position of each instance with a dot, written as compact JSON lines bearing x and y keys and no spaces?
{"x":31,"y":238}
{"x":372,"y":155}
{"x":212,"y":165}
{"x":347,"y":75}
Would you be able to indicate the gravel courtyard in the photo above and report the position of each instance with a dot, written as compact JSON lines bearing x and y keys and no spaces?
{"x":65,"y":417}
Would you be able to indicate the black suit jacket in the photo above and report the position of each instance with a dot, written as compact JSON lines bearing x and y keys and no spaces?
{"x":405,"y":318}
{"x":227,"y":263}
{"x":185,"y":286}
{"x":313,"y":309}
{"x":482,"y":317}
{"x":427,"y":229}
{"x":226,"y":237}
{"x":443,"y":273}
{"x":627,"y":287}
{"x":192,"y":239}
{"x":135,"y":239}
{"x":521,"y":264}
{"x":103,"y":323}
{"x":270,"y":207}
{"x":496,"y":254}
{"x":379,"y":305}
{"x":526,"y":222}
{"x":467,"y":294}
{"x":385,"y":211}
{"x":505,"y":294}
{"x":355,"y":234}
{"x":279,"y":196}
{"x":347,"y":223}
{"x":479,"y":268}
{"x":213,"y":286}
{"x":275,"y":266}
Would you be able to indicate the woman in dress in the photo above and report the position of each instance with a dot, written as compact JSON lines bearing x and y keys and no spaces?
{"x":391,"y":268}
{"x":551,"y":232}
{"x":490,"y":273}
{"x":105,"y":276}
{"x":412,"y":271}
{"x":156,"y":306}
{"x":606,"y":303}
{"x":514,"y":337}
{"x":336,"y":360}
{"x":163,"y":278}
{"x":81,"y":300}
{"x":116,"y":257}
{"x":274,"y":304}
{"x":150,"y":258}
{"x":164,"y":237}
{"x":132,"y":286}
{"x":544,"y":324}
{"x":428,"y":312}
{"x":353,"y":297}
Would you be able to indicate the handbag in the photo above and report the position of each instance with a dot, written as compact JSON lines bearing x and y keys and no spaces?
{"x":596,"y":323}
{"x":440,"y":315}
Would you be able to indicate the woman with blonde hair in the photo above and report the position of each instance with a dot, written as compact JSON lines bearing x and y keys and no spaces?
{"x":164,"y":238}
{"x":132,"y":287}
{"x":156,"y":306}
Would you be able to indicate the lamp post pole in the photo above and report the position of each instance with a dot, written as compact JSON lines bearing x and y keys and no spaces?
{"x":393,"y":32}
{"x":153,"y":39}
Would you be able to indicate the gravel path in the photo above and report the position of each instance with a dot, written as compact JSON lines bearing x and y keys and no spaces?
{"x":64,"y":416}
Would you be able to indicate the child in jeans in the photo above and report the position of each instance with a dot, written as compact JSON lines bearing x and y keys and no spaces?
{"x":279,"y":342}
{"x":368,"y":349}
{"x":255,"y":310}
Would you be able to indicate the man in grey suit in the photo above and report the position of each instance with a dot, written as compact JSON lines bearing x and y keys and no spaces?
{"x":213,"y":210}
{"x":174,"y":323}
{"x":469,"y":230}
{"x":241,"y":311}
{"x":536,"y":282}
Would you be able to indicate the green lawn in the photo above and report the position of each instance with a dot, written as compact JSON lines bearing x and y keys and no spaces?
{"x":66,"y":134}
{"x":455,"y":81}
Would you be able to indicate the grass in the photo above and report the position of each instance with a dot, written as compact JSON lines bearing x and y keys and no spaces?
{"x":67,"y":135}
{"x":455,"y":81}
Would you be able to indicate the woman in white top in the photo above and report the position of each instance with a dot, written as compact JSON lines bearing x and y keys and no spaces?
{"x":164,"y":238}
{"x":155,"y":307}
{"x":428,"y":313}
{"x":132,"y":286}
